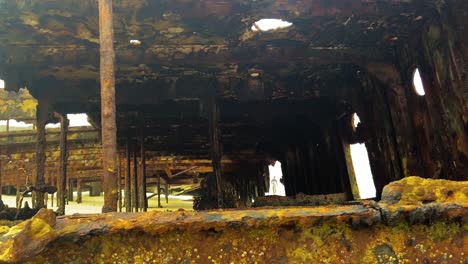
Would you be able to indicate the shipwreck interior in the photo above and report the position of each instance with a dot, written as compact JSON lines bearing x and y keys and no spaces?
{"x":203,"y":90}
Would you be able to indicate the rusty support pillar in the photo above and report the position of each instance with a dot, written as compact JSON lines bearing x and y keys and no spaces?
{"x":18,"y":188}
{"x":33,"y":195}
{"x":119,"y":184}
{"x":1,"y":185}
{"x":42,"y":113}
{"x":142,"y":190}
{"x":128,"y":182}
{"x":135,"y":179}
{"x":159,"y":190}
{"x":69,"y":189}
{"x":108,"y":122}
{"x":79,"y":195}
{"x":62,"y":179}
{"x":216,"y":150}
{"x":166,"y":191}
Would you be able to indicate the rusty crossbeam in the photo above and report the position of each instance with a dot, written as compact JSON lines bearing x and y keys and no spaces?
{"x":108,"y":122}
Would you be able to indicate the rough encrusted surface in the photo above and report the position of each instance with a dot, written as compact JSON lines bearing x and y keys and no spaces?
{"x":363,"y":233}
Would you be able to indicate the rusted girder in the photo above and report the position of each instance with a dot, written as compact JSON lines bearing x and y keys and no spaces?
{"x":108,"y":123}
{"x":135,"y":182}
{"x":39,"y":180}
{"x":62,"y":180}
{"x":128,"y":183}
{"x":216,"y":149}
{"x":142,"y":176}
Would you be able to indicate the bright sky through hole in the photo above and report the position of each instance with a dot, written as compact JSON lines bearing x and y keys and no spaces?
{"x":356,"y":120}
{"x":362,"y":168}
{"x":2,"y":84}
{"x":76,"y":120}
{"x":14,"y":123}
{"x":270,"y":24}
{"x":276,"y":173}
{"x":418,"y":85}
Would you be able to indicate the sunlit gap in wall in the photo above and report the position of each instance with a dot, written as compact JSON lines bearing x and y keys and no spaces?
{"x":2,"y":84}
{"x":268,"y":24}
{"x":362,"y":167}
{"x":14,"y":125}
{"x":76,"y":120}
{"x":418,"y":84}
{"x":276,"y":187}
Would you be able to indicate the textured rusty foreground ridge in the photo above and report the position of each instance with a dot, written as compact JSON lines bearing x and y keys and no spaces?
{"x":417,"y":221}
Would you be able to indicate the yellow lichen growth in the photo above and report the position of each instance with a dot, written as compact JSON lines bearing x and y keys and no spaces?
{"x":30,"y":20}
{"x":4,"y":229}
{"x":29,"y":105}
{"x":415,"y":190}
{"x":40,"y":228}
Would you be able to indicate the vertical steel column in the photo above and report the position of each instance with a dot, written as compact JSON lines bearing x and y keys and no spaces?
{"x":42,"y":112}
{"x":159,"y":190}
{"x":135,"y":178}
{"x":69,"y":189}
{"x":119,"y":184}
{"x":62,"y":180}
{"x":216,"y":151}
{"x":108,"y":122}
{"x":1,"y":185}
{"x":142,"y":195}
{"x":128,"y":183}
{"x":79,"y":196}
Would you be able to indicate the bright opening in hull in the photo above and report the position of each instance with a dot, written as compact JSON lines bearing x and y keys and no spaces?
{"x":276,"y":187}
{"x":362,"y":169}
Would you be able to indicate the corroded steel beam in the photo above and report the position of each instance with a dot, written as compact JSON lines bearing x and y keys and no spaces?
{"x":62,"y":180}
{"x":39,"y":178}
{"x":216,"y":150}
{"x":108,"y":122}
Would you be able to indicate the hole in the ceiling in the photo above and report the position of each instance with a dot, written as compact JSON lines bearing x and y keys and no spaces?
{"x":418,"y":84}
{"x":268,"y":24}
{"x":2,"y":84}
{"x":135,"y":42}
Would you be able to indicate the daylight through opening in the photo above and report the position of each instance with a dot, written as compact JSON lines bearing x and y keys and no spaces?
{"x":2,"y":84}
{"x":78,"y":120}
{"x":14,"y":125}
{"x":362,"y":169}
{"x":418,"y":84}
{"x":276,"y":186}
{"x":268,"y":24}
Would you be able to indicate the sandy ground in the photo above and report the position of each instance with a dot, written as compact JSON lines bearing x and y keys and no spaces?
{"x":94,"y":204}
